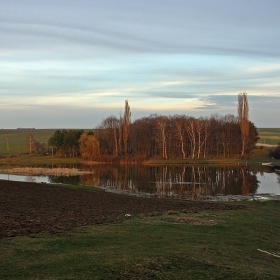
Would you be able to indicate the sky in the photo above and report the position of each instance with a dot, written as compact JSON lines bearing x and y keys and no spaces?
{"x":71,"y":64}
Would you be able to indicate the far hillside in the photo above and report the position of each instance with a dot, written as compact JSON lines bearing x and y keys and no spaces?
{"x":269,"y":136}
{"x":14,"y":141}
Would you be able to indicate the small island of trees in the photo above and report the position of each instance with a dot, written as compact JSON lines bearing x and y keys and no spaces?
{"x":161,"y":137}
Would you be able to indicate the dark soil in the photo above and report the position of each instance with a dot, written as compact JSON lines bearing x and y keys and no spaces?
{"x":27,"y":208}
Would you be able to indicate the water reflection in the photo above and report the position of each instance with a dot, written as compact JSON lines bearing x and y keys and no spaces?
{"x":31,"y":179}
{"x":68,"y":180}
{"x":175,"y":181}
{"x":182,"y":182}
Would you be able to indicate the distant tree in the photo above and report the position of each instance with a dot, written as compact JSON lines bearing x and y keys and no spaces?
{"x":191,"y":132}
{"x":276,"y":152}
{"x":201,"y":132}
{"x":107,"y":133}
{"x":70,"y":142}
{"x":160,"y":134}
{"x":89,"y":147}
{"x":56,"y":141}
{"x":41,"y":148}
{"x":124,"y":128}
{"x":230,"y":135}
{"x":253,"y":137}
{"x":180,"y":132}
{"x":65,"y":142}
{"x":31,"y":144}
{"x":142,"y":144}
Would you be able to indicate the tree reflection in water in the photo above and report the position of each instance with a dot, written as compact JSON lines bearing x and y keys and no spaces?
{"x":180,"y":181}
{"x":30,"y":179}
{"x":68,"y":180}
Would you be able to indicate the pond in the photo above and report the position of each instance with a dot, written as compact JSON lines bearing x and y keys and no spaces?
{"x":173,"y":181}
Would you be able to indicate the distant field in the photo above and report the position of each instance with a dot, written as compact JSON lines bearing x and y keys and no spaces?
{"x":17,"y":139}
{"x":269,"y":135}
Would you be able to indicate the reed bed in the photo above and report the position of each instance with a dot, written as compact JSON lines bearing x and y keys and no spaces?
{"x":46,"y":171}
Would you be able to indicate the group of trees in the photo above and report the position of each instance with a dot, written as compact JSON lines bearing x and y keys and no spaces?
{"x":65,"y":143}
{"x":179,"y":137}
{"x":74,"y":143}
{"x":164,"y":137}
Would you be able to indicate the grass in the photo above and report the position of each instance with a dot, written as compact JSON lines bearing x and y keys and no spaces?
{"x":17,"y":139}
{"x":269,"y":135}
{"x":257,"y":156}
{"x":219,"y":245}
{"x":38,"y":160}
{"x":261,"y":154}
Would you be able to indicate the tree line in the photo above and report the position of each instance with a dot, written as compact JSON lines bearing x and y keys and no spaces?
{"x":162,"y":137}
{"x":178,"y":136}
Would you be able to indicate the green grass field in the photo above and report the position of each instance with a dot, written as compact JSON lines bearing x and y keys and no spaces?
{"x":228,"y":244}
{"x":14,"y":141}
{"x":269,"y":135}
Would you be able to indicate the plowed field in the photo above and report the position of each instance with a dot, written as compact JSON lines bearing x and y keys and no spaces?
{"x":28,"y":208}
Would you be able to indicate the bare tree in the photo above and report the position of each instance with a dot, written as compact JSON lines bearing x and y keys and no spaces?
{"x":191,"y":130}
{"x":160,"y":134}
{"x":201,"y":132}
{"x":179,"y":132}
{"x":142,"y":144}
{"x":110,"y":129}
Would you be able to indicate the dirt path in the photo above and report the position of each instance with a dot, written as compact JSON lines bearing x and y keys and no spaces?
{"x":27,"y":208}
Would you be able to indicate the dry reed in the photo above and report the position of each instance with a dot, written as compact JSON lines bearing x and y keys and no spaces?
{"x":46,"y":171}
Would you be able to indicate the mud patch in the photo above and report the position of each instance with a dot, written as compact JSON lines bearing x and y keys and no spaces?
{"x":28,"y":208}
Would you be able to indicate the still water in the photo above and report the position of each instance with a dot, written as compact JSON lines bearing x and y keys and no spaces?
{"x":178,"y":181}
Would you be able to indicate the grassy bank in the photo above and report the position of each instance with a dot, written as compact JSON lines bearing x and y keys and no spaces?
{"x":257,"y":156}
{"x":37,"y":160}
{"x":206,"y":245}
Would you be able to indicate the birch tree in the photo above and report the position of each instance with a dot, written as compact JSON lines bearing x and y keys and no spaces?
{"x":160,"y":134}
{"x":179,"y":133}
{"x":191,"y":130}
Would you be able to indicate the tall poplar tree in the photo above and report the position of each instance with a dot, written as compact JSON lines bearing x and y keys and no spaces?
{"x":125,"y":122}
{"x":243,"y":118}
